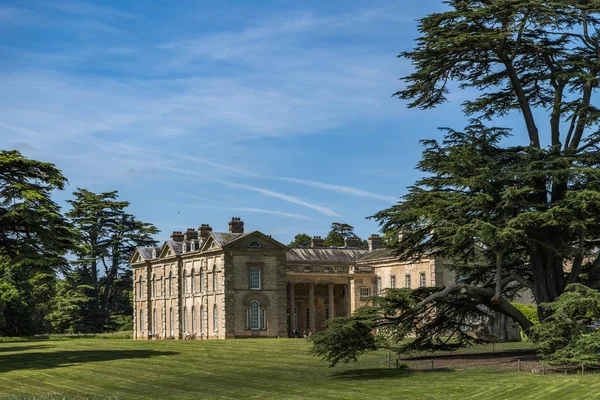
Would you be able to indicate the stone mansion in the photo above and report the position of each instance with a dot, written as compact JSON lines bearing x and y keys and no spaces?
{"x":217,"y":285}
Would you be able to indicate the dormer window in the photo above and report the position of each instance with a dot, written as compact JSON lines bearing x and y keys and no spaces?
{"x":192,"y":246}
{"x":153,"y":253}
{"x":254,"y":245}
{"x":183,"y":247}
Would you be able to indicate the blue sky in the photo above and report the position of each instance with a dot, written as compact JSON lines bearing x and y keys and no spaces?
{"x":278,"y":112}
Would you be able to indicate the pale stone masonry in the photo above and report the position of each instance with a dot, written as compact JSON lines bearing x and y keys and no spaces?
{"x":216,"y":285}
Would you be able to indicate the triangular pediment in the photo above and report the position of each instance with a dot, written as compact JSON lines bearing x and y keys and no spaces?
{"x":255,"y":240}
{"x":165,"y":251}
{"x":210,"y":244}
{"x":169,"y":249}
{"x":136,"y":257}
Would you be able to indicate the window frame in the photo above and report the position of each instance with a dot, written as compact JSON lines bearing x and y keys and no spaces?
{"x":407,"y":281}
{"x":365,"y":291}
{"x":171,"y":322}
{"x":192,"y":283}
{"x":154,"y":322}
{"x":215,"y":319}
{"x":215,"y":279}
{"x":185,"y":286}
{"x":201,"y":319}
{"x":254,"y":315}
{"x":185,"y":320}
{"x":393,"y":281}
{"x":202,"y":283}
{"x":250,"y":283}
{"x":422,"y":279}
{"x":194,"y":319}
{"x":141,"y":326}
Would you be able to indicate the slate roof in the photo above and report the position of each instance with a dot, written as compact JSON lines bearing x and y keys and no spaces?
{"x":225,"y":237}
{"x":324,"y":254}
{"x":175,"y":246}
{"x":377,"y":254}
{"x":145,"y":252}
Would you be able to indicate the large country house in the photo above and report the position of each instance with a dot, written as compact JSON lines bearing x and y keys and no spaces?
{"x":217,"y":285}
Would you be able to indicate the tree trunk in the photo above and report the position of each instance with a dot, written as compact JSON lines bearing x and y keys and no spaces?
{"x":548,"y":277}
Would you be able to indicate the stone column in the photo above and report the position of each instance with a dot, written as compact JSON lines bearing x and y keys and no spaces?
{"x":350,"y":297}
{"x":311,"y":306}
{"x":292,"y":307}
{"x":331,"y":305}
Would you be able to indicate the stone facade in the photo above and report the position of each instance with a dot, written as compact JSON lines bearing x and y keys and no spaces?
{"x":217,"y":285}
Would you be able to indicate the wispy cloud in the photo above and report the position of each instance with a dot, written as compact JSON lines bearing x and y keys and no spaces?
{"x":340,"y":189}
{"x":250,"y":210}
{"x":273,"y":212}
{"x":284,"y":197}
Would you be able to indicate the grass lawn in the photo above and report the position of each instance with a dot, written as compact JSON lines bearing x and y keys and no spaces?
{"x":236,"y":369}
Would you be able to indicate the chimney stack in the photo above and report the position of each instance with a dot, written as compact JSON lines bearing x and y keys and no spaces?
{"x":190,"y":234}
{"x":203,"y":231}
{"x":402,"y":234}
{"x":236,"y":225}
{"x":375,"y":242}
{"x":177,"y":236}
{"x":316,"y":242}
{"x":352,"y":241}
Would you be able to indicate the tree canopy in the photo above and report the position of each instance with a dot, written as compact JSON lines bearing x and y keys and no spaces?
{"x":34,"y":238}
{"x":504,"y":217}
{"x":338,"y":234}
{"x":107,"y":237}
{"x":300,"y":240}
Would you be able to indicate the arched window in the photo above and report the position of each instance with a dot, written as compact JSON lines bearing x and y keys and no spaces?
{"x":201,"y":318}
{"x":183,"y":247}
{"x":141,"y":287}
{"x":215,"y":318}
{"x":184,"y":282}
{"x":254,"y":315}
{"x":153,"y":285}
{"x":171,"y":321}
{"x":215,"y":281}
{"x":201,"y":280}
{"x":154,"y":253}
{"x":194,"y":319}
{"x":185,"y":319}
{"x":192,"y":245}
{"x":170,"y":283}
{"x":192,"y":286}
{"x":141,"y":320}
{"x":154,"y":322}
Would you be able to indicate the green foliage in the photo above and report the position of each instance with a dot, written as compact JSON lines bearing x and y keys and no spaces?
{"x":344,"y":339}
{"x":527,"y":210}
{"x":529,"y":311}
{"x":394,"y":317}
{"x":338,"y":234}
{"x":107,"y":237}
{"x":32,"y":230}
{"x":34,"y":238}
{"x":564,"y":337}
{"x":300,"y":240}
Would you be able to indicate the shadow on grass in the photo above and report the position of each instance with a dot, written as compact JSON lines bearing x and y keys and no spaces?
{"x":24,"y":348}
{"x":372,"y":373}
{"x":523,"y":354}
{"x":57,"y":359}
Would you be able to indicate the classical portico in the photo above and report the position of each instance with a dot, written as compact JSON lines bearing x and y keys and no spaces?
{"x":322,"y":284}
